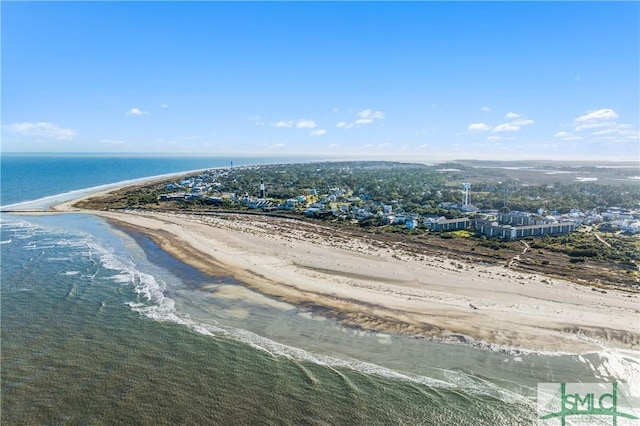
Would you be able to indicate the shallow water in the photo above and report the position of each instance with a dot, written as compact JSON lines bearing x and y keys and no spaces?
{"x":100,"y":326}
{"x":88,"y":336}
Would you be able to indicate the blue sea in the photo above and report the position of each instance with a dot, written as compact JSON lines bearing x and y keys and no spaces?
{"x":100,"y":326}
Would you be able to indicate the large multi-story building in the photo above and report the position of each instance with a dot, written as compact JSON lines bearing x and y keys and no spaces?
{"x":514,"y":224}
{"x":510,"y":232}
{"x":442,"y":224}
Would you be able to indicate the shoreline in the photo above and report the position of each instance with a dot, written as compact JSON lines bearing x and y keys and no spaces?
{"x":374,"y":286}
{"x":385,"y":290}
{"x":64,"y":202}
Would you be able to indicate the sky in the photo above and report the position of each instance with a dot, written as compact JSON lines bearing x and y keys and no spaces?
{"x":441,"y":80}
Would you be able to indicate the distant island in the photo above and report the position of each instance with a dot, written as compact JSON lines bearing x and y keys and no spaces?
{"x":576,"y":221}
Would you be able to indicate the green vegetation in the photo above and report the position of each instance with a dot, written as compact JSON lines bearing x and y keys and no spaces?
{"x":388,"y":200}
{"x":418,"y":188}
{"x":141,"y":198}
{"x":463,"y":233}
{"x":621,"y":252}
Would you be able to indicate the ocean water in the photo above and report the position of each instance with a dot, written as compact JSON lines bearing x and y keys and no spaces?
{"x":100,"y":326}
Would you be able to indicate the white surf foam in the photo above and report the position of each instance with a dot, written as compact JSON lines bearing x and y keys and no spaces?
{"x":623,"y":365}
{"x":618,"y":365}
{"x":152,"y":302}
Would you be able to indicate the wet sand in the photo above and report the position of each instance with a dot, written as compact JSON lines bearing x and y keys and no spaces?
{"x":368,"y":285}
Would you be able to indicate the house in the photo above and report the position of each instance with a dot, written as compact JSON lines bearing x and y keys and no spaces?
{"x":468,"y":208}
{"x":259,"y":203}
{"x":311,"y":211}
{"x":630,"y":226}
{"x":289,"y":204}
{"x":173,"y":197}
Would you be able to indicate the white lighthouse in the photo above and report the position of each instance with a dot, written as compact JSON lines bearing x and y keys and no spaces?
{"x":263,"y":193}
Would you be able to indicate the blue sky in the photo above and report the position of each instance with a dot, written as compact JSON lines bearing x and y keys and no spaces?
{"x":441,"y":80}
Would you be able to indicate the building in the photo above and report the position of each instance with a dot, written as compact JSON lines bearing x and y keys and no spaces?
{"x":259,"y":203}
{"x":510,"y":232}
{"x":442,"y":224}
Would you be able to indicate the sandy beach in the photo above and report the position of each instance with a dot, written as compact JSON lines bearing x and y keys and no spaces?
{"x":363,"y":283}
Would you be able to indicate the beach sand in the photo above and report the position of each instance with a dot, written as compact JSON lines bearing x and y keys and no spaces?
{"x":370,"y":285}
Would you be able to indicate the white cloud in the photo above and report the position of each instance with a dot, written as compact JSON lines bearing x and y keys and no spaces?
{"x":360,"y":121}
{"x":485,"y":109}
{"x":381,"y":146}
{"x":603,"y":126}
{"x":300,"y":124}
{"x":607,"y":138}
{"x":319,"y":132}
{"x":478,"y":127}
{"x":370,"y":114}
{"x":595,"y":125}
{"x":597,"y":115}
{"x":522,"y":122}
{"x":566,"y":136}
{"x":606,"y":132}
{"x":136,"y":112}
{"x":306,"y":124}
{"x":621,"y":130}
{"x":283,"y":123}
{"x":164,"y":106}
{"x":618,"y":139}
{"x":506,"y":127}
{"x":277,"y":146}
{"x":112,"y":141}
{"x":366,"y":116}
{"x":493,"y":138}
{"x":42,"y":128}
{"x":513,"y":126}
{"x":336,"y":110}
